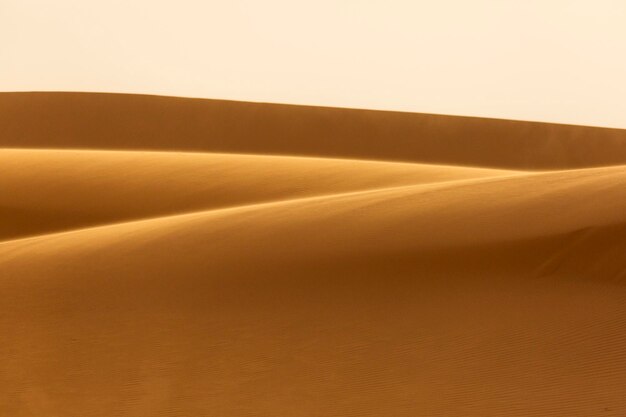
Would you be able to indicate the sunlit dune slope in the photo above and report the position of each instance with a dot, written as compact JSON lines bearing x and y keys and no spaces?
{"x":263,"y":283}
{"x":360,"y":303}
{"x":132,"y":122}
{"x":50,"y":190}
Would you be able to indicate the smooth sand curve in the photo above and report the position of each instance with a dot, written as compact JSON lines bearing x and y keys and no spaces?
{"x":51,"y":190}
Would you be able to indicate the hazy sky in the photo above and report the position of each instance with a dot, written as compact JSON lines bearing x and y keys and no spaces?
{"x":550,"y":60}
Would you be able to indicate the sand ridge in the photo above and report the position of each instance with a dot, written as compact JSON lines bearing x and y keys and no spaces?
{"x":47,"y":190}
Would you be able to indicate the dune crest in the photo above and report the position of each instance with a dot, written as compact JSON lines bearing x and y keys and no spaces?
{"x":156,"y":282}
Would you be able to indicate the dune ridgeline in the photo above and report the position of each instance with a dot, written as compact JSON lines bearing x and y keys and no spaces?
{"x":166,"y":256}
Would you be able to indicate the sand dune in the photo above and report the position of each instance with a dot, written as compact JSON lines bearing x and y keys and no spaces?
{"x":141,"y":283}
{"x":136,"y":122}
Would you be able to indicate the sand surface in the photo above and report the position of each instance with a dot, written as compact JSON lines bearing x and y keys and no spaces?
{"x":180,"y":257}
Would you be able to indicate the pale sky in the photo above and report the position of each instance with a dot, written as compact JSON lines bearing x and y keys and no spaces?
{"x":547,"y":60}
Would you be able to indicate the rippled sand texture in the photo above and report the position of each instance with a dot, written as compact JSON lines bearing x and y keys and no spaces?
{"x":182,"y":257}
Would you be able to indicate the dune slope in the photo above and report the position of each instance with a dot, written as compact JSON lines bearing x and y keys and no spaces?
{"x":132,"y":122}
{"x":140,"y":283}
{"x":51,"y":190}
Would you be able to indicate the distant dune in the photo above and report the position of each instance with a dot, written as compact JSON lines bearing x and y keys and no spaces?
{"x":182,"y":257}
{"x":136,"y":122}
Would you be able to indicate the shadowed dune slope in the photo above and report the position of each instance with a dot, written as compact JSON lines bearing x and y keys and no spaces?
{"x":170,"y":283}
{"x":124,"y":121}
{"x":49,"y":190}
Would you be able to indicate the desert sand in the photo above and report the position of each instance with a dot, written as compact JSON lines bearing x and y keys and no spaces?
{"x":181,"y":257}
